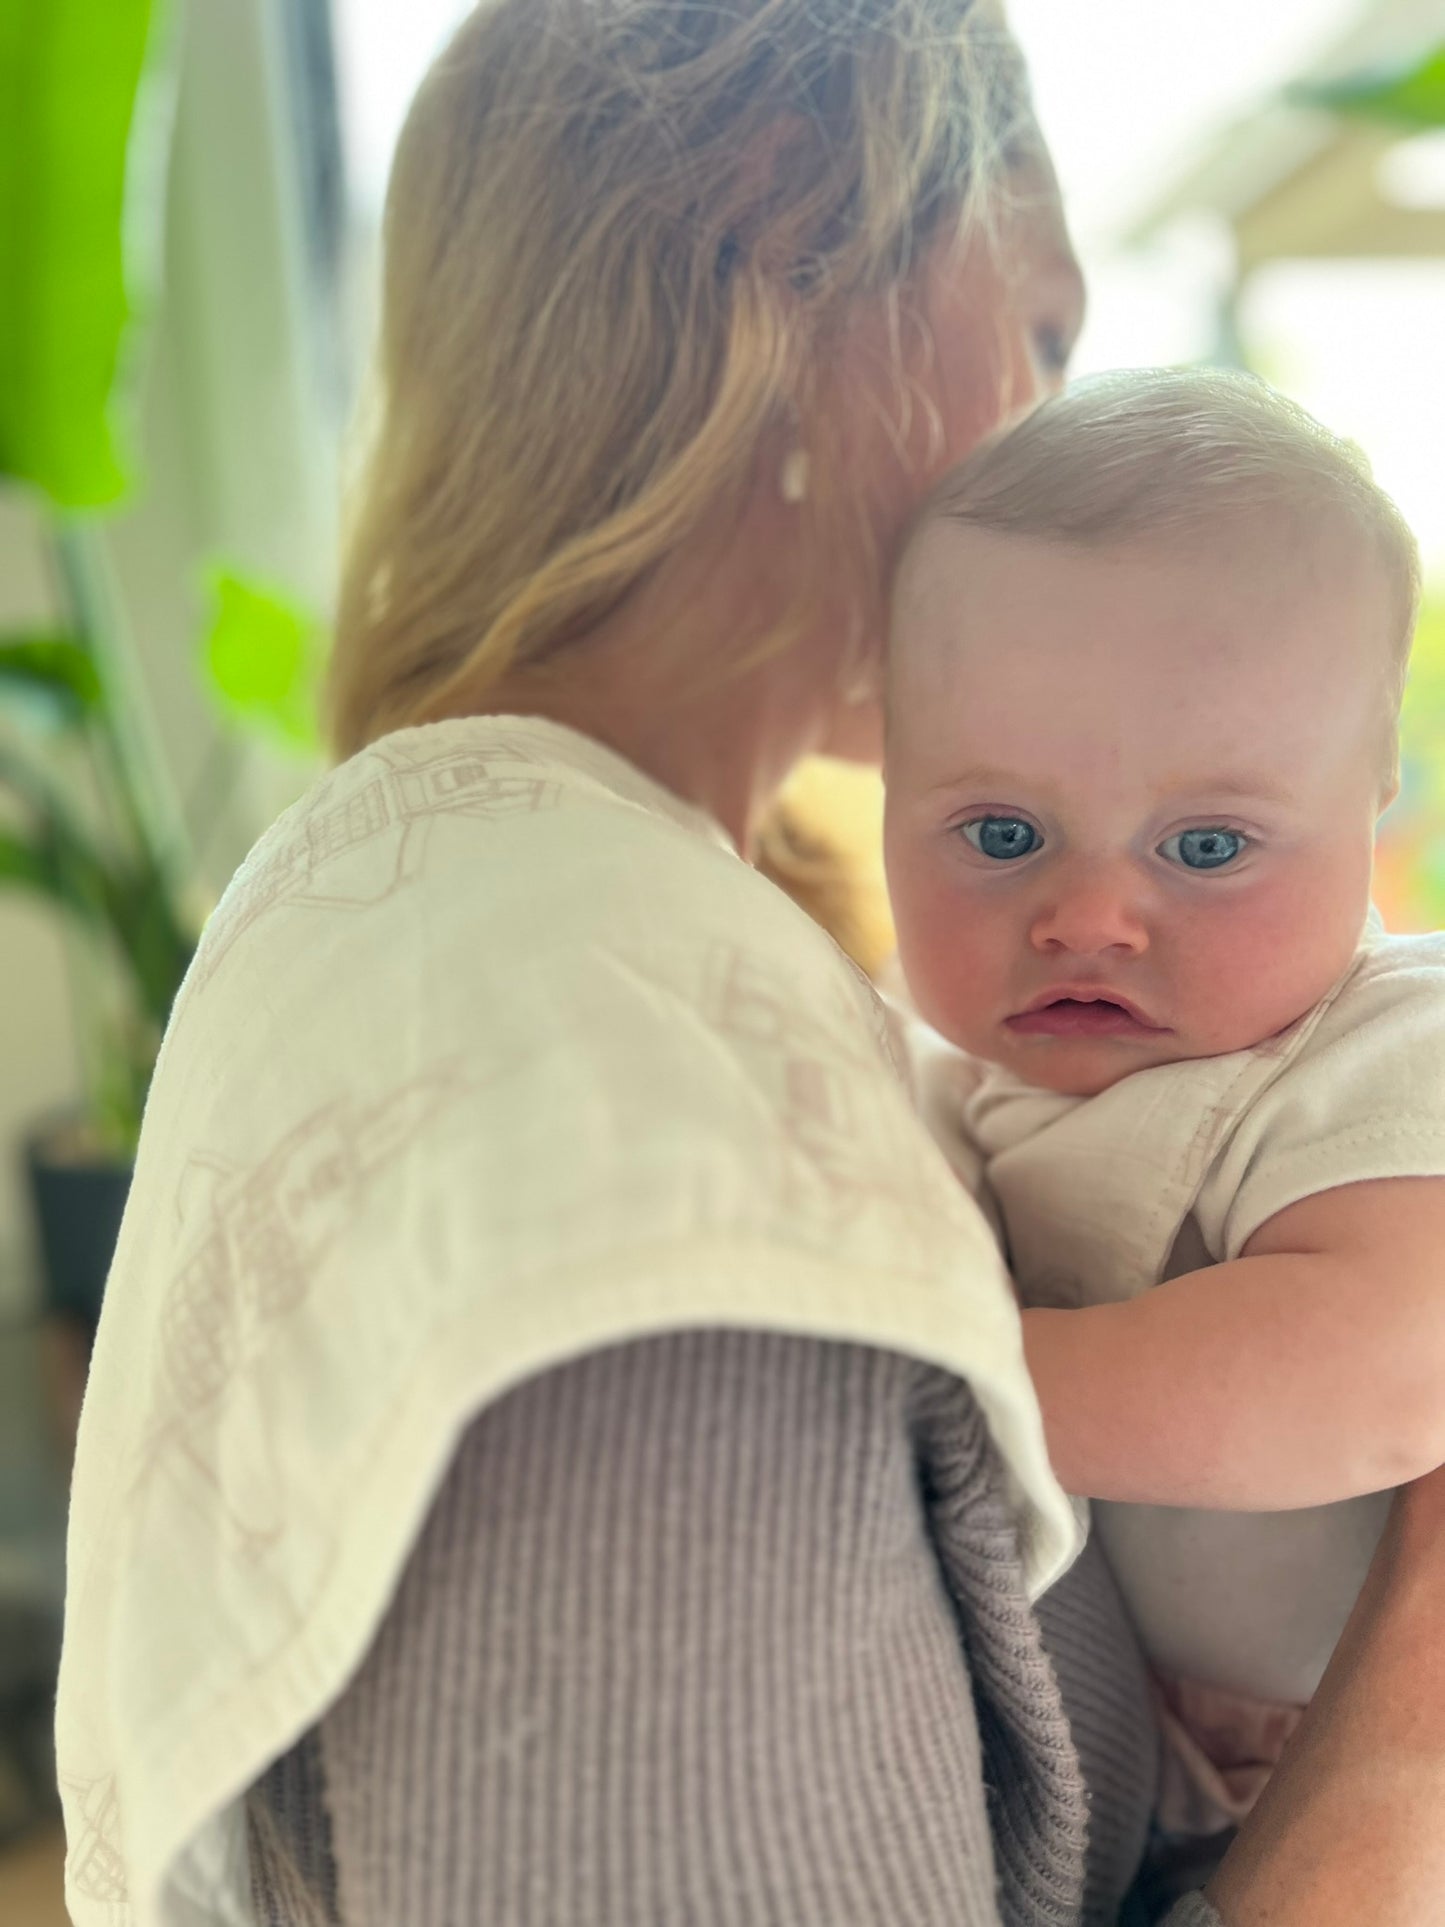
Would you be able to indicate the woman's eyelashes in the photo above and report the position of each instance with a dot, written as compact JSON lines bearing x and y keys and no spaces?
{"x":1053,"y":350}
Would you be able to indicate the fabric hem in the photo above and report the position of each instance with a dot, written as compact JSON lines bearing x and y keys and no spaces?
{"x":1395,"y":1151}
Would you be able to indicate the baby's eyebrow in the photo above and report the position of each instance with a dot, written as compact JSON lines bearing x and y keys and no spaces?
{"x":988,"y":779}
{"x":1262,"y":788}
{"x":1201,"y":792}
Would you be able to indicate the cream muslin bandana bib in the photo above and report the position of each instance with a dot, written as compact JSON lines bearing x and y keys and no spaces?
{"x":493,"y":1053}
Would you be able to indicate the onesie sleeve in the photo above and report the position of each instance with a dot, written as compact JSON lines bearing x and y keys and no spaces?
{"x":1362,"y":1097}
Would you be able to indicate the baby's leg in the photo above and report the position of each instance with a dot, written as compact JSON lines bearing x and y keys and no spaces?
{"x":1219,"y":1750}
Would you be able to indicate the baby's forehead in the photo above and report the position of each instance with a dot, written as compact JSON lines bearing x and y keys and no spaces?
{"x":1215,"y":640}
{"x":956,"y":579}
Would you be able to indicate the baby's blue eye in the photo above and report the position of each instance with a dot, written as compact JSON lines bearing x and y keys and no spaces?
{"x":1203,"y":849}
{"x":1002,"y":837}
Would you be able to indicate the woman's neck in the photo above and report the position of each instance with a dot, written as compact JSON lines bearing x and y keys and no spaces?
{"x":722,"y":738}
{"x":717,"y":755}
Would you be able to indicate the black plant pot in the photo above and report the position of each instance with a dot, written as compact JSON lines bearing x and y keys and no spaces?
{"x":78,"y":1202}
{"x":29,"y":1661}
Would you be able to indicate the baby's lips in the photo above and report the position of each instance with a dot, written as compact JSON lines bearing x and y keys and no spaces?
{"x":1085,"y":993}
{"x":1082,"y":1011}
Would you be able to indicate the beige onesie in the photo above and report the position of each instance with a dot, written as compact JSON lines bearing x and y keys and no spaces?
{"x":1171,"y":1170}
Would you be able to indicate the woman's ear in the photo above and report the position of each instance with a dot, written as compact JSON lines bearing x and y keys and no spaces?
{"x":775,"y":153}
{"x":856,"y":732}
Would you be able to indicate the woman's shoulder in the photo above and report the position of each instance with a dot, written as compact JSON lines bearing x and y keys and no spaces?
{"x":508,"y":835}
{"x":506,"y":895}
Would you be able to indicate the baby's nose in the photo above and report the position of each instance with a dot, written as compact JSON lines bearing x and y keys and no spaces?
{"x":1095,"y":912}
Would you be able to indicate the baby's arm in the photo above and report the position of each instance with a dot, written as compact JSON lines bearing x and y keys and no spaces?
{"x":1308,"y":1369}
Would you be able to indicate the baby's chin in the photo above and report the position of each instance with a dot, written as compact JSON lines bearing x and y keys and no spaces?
{"x":1076,"y":1081}
{"x":1079,"y":1068}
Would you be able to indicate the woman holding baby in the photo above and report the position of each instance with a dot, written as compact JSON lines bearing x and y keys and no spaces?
{"x":559,"y":1447}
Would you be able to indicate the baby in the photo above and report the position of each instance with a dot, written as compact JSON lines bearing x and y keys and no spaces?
{"x":1145,"y":674}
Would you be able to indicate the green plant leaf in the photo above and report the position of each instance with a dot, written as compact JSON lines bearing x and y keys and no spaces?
{"x":128,"y":901}
{"x":51,"y":675}
{"x":75,"y":870}
{"x":1412,"y":95}
{"x":27,"y":864}
{"x":70,"y":79}
{"x":262,"y":658}
{"x":156,"y":949}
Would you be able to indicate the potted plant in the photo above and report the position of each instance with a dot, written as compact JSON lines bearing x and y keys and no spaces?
{"x":83,"y":822}
{"x":81,"y":836}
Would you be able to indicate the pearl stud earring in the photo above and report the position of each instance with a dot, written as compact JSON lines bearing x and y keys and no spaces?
{"x":793,"y":476}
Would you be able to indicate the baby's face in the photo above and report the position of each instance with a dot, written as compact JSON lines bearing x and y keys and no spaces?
{"x":1131,"y":794}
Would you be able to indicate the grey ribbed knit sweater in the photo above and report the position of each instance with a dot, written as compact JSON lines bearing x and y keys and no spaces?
{"x":721,"y":1630}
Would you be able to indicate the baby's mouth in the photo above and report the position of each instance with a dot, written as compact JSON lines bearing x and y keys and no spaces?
{"x":1081,"y":1013}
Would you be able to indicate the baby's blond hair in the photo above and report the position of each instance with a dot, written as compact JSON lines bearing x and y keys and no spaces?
{"x":622,"y":238}
{"x":1162,"y":454}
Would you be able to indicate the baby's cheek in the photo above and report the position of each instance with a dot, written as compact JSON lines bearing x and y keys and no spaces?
{"x":1258,"y":967}
{"x":944,"y":945}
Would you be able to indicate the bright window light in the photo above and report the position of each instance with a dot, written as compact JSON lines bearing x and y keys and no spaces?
{"x":382,"y":51}
{"x":1129,"y":90}
{"x":1412,"y":174}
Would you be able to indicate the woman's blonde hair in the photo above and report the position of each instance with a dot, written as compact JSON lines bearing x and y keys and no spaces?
{"x":620,"y":238}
